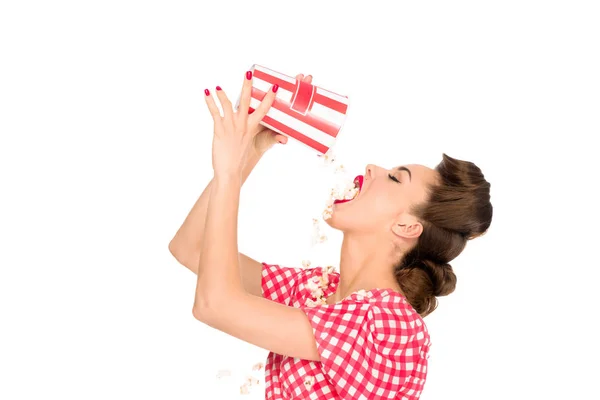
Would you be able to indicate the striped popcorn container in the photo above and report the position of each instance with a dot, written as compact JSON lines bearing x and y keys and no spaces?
{"x":307,"y":113}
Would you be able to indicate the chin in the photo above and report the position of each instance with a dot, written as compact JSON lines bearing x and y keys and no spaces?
{"x":339,"y":220}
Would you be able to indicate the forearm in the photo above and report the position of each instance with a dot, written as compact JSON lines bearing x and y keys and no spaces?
{"x":218,"y":267}
{"x":187,"y":242}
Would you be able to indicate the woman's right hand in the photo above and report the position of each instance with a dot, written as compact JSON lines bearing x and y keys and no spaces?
{"x":266,"y":138}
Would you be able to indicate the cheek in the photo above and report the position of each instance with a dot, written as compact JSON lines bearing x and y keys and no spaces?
{"x":380,"y":206}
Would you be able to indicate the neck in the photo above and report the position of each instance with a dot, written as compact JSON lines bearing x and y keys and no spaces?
{"x":364,"y":264}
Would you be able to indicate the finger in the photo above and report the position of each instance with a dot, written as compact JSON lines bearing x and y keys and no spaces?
{"x":281,"y":138}
{"x":225,"y":104}
{"x":212,"y":106}
{"x":245,"y":97}
{"x":300,"y":77}
{"x":264,"y":106}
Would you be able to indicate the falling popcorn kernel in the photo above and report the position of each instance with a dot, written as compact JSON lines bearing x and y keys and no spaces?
{"x":223,"y":373}
{"x":245,"y":389}
{"x":305,"y":263}
{"x":309,"y":381}
{"x":339,"y":168}
{"x":250,"y":380}
{"x":258,"y":366}
{"x":328,"y":157}
{"x":312,"y":285}
{"x":311,"y":303}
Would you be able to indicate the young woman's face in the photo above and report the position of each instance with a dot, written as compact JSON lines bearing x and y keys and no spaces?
{"x":384,"y":196}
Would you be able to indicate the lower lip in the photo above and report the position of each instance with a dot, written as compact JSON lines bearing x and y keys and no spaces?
{"x":360,"y":183}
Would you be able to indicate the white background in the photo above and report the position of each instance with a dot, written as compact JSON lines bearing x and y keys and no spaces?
{"x":105,"y":146}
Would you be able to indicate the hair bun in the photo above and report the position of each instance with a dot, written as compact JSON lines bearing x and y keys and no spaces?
{"x":442,"y":277}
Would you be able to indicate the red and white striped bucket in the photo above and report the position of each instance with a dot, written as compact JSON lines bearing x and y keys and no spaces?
{"x":307,"y":113}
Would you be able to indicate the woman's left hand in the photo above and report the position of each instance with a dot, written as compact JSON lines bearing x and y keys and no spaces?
{"x":234,"y":131}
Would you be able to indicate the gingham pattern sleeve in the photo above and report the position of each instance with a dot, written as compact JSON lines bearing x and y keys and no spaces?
{"x":279,"y":283}
{"x":367,"y":352}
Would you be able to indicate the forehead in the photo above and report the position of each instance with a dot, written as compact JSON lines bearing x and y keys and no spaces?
{"x":421,"y":176}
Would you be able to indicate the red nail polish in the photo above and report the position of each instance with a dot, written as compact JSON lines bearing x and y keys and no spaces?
{"x":206,"y":92}
{"x":219,"y":88}
{"x":275,"y":87}
{"x":249,"y":75}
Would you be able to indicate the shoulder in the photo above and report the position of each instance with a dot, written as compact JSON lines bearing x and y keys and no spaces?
{"x":394,"y":323}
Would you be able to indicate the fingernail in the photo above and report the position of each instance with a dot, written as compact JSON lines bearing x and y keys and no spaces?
{"x":275,"y":87}
{"x":206,"y":92}
{"x":219,"y":88}
{"x":249,"y":75}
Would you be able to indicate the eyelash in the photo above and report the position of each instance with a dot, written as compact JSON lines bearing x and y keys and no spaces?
{"x":394,"y":178}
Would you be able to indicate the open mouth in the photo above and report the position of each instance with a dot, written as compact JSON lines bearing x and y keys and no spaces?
{"x":352,"y":193}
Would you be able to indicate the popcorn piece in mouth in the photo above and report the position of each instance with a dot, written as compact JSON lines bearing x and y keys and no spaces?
{"x":347,"y":192}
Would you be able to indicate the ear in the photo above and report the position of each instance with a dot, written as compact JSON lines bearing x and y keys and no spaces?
{"x":407,"y":228}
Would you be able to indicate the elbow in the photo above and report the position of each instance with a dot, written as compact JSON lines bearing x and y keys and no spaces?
{"x":203,"y":310}
{"x":199,"y":313}
{"x":212,"y":307}
{"x":173,"y":249}
{"x":187,"y":259}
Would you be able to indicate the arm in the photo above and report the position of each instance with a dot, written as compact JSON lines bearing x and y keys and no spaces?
{"x":220,"y":300}
{"x":185,"y":245}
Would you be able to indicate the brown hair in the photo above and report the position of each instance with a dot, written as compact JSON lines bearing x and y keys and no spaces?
{"x":458,"y":209}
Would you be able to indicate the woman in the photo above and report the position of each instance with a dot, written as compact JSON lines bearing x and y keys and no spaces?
{"x":358,"y":334}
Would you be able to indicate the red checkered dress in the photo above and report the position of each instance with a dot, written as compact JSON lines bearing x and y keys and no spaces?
{"x":373,"y":344}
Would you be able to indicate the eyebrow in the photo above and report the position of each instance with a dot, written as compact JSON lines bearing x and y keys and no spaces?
{"x":407,"y":170}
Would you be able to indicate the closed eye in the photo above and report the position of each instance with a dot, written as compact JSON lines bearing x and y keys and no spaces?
{"x":392,"y":177}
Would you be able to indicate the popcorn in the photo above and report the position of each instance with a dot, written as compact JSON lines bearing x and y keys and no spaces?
{"x":328,"y":158}
{"x":258,"y":366}
{"x":312,"y":285}
{"x":316,"y":285}
{"x":327,"y":212}
{"x":312,"y":303}
{"x":346,"y":192}
{"x":339,"y":168}
{"x":250,"y":380}
{"x":305,"y":263}
{"x":222,"y":373}
{"x":245,"y":389}
{"x":361,"y":294}
{"x":318,"y":236}
{"x":309,"y":381}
